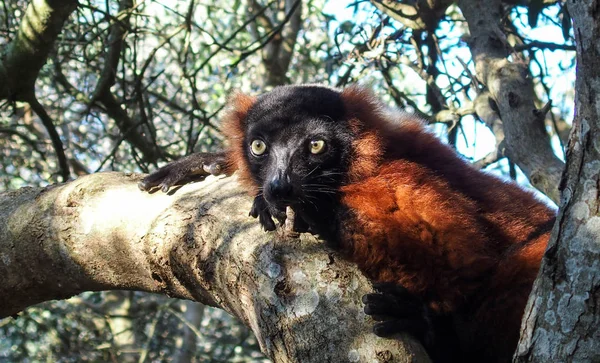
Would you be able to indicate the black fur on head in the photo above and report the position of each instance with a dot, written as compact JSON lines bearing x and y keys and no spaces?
{"x":285,"y":125}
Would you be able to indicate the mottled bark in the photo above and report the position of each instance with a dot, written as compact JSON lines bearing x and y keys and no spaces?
{"x":562,"y":316}
{"x":510,"y":86}
{"x":100,"y":232}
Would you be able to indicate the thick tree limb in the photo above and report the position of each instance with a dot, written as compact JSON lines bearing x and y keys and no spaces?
{"x":100,"y":232}
{"x":22,"y":59}
{"x":510,"y":86}
{"x":561,"y":318}
{"x":483,"y":105}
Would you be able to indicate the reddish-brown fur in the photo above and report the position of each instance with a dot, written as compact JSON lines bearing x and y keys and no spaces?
{"x":461,"y":238}
{"x":422,"y":217}
{"x":233,"y":128}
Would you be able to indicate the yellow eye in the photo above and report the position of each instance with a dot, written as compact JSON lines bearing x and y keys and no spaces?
{"x":258,"y":147}
{"x":317,"y":146}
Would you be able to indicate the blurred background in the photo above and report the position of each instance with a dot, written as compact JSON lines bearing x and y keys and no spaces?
{"x":130,"y":85}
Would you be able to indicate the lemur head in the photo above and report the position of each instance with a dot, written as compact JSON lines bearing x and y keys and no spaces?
{"x":300,"y":143}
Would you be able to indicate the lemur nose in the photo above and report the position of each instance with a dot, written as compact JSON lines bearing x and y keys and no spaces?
{"x":281,"y":188}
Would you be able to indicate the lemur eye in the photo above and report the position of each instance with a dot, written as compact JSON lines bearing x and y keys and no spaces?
{"x":317,"y":146}
{"x":258,"y":147}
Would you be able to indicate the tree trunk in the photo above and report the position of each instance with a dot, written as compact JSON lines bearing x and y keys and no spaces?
{"x":511,"y":91}
{"x":100,"y":232}
{"x":193,"y":315}
{"x":561,"y":319}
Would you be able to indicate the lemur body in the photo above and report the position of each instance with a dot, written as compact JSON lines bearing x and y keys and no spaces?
{"x":404,"y":206}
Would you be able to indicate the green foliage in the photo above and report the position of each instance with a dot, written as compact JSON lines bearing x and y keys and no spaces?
{"x":121,"y":326}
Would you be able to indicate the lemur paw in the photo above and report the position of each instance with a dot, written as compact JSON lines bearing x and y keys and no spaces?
{"x":397,"y":310}
{"x":266,"y":212}
{"x":185,"y":170}
{"x":260,"y":209}
{"x":300,"y":225}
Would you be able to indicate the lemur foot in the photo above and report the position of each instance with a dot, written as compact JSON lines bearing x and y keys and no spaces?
{"x":397,"y":310}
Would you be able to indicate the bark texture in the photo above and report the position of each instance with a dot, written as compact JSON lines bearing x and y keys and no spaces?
{"x":100,"y":232}
{"x":510,"y":89}
{"x":562,"y":316}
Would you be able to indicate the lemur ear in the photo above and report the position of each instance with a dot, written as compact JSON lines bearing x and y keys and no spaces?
{"x":239,"y":103}
{"x":365,"y":117}
{"x":234,"y":129}
{"x":361,"y":104}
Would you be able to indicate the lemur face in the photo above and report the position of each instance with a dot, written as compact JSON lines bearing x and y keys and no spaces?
{"x":297,"y":144}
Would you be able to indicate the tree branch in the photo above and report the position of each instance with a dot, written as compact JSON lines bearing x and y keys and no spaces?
{"x":277,"y":45}
{"x":417,"y":15}
{"x":561,"y":318}
{"x":510,"y":86}
{"x":484,"y":107}
{"x":25,"y":138}
{"x":277,"y":54}
{"x":100,"y":232}
{"x":544,"y":45}
{"x":22,"y":59}
{"x":57,"y":144}
{"x":144,"y":137}
{"x":404,"y":13}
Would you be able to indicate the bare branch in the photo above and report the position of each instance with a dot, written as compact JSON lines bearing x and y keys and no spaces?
{"x":277,"y":53}
{"x":404,"y":13}
{"x":544,"y":45}
{"x":113,"y":55}
{"x":222,"y":45}
{"x":25,"y":138}
{"x":54,"y":137}
{"x":143,"y":139}
{"x":492,"y":157}
{"x":452,"y":116}
{"x":511,"y":89}
{"x":417,"y":15}
{"x":22,"y":58}
{"x":278,"y":44}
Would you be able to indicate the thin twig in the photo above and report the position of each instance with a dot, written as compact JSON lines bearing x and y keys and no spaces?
{"x":24,"y":138}
{"x":544,"y":46}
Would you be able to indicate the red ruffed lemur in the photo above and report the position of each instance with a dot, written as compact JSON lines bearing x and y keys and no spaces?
{"x":454,"y":251}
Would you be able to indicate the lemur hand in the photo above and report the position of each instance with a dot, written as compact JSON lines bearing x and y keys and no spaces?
{"x":191,"y":168}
